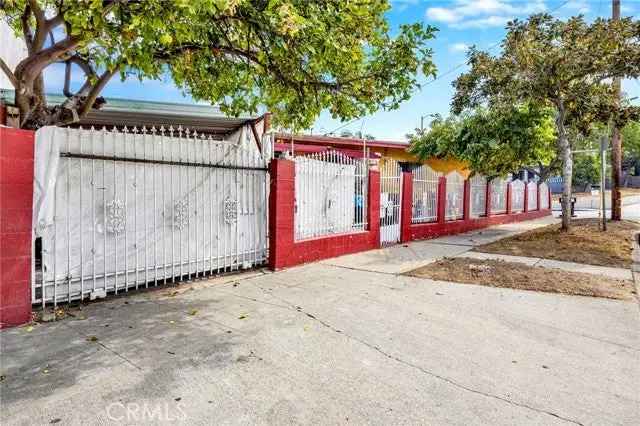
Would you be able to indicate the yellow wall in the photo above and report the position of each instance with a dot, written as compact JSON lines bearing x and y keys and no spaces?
{"x":443,"y":166}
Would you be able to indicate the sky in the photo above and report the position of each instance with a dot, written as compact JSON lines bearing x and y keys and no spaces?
{"x":461,"y":23}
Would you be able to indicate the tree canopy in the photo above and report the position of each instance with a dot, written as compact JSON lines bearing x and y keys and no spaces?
{"x":564,"y":65}
{"x":493,"y":142}
{"x":294,"y":57}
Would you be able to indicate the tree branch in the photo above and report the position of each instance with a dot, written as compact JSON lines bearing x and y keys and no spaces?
{"x":26,"y":29}
{"x":86,"y":102}
{"x":88,"y":72}
{"x":12,"y":78}
{"x":32,"y":66}
{"x":41,"y":25}
{"x":97,"y":88}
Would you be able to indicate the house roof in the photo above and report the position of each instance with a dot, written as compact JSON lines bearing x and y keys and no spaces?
{"x":339,"y":142}
{"x":128,"y":112}
{"x":301,"y":149}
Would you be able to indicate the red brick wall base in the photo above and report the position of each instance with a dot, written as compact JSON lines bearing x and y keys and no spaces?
{"x":284,"y":251}
{"x":439,"y":228}
{"x":16,"y":199}
{"x":425,"y":231}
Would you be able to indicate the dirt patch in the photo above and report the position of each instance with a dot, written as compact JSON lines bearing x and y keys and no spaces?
{"x":585,"y":243}
{"x":497,"y":273}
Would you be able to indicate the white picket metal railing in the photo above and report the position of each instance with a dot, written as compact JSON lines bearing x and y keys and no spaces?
{"x":425,"y":194}
{"x":478,"y":195}
{"x":517,"y":196}
{"x":532,"y":196}
{"x":124,"y":209}
{"x":331,"y":194}
{"x":455,"y":196}
{"x":544,"y":195}
{"x":498,"y":195}
{"x":390,"y":201}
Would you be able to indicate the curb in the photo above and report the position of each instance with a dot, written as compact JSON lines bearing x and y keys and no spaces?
{"x":635,"y":266}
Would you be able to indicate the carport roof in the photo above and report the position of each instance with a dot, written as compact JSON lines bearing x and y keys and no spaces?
{"x":128,"y":112}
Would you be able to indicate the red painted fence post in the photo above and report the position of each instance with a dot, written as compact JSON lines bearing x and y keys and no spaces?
{"x":526,"y":197}
{"x":16,"y":211}
{"x":487,"y":200}
{"x":406,"y":212}
{"x":442,"y":199}
{"x":509,"y":198}
{"x":281,"y":211}
{"x":466,"y":202}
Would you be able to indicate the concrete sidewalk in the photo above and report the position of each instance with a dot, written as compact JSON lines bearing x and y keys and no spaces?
{"x":402,"y":258}
{"x":322,"y":344}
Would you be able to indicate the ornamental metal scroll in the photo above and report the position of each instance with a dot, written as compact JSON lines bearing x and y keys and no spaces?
{"x":230,"y":211}
{"x":181,"y":214}
{"x":115,"y":217}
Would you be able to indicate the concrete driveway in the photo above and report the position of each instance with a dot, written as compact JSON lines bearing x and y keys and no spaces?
{"x":327,"y":344}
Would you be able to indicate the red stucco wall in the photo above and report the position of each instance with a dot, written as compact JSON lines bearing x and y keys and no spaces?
{"x":16,"y":200}
{"x":284,"y":251}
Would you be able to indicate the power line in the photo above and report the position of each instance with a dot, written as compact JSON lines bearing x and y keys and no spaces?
{"x":440,"y":76}
{"x":344,"y":125}
{"x":493,"y":46}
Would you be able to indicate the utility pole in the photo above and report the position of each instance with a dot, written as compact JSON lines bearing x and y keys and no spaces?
{"x":603,"y":179}
{"x":616,"y":142}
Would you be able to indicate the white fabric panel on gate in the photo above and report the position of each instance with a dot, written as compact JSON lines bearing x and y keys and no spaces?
{"x":47,"y":160}
{"x":325,"y":199}
{"x":153,"y":220}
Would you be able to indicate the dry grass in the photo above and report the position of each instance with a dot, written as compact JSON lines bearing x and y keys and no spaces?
{"x":585,"y":243}
{"x":497,"y":273}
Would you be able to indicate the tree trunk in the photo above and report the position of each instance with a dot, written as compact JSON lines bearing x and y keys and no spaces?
{"x":31,"y":102}
{"x":564,"y":150}
{"x":32,"y":107}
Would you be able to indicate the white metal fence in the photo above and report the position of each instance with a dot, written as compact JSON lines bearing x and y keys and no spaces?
{"x":532,"y":196}
{"x":390,"y":201}
{"x":331,"y":194}
{"x":116,"y":210}
{"x":517,"y":196}
{"x":544,"y":195}
{"x":425,"y":195}
{"x":455,"y":196}
{"x":478,"y":195}
{"x":498,"y":195}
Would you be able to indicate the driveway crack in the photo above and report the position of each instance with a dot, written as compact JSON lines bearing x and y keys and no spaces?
{"x":116,"y":353}
{"x":417,"y":367}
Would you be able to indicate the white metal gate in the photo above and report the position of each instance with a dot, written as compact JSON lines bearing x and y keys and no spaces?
{"x":478,"y":195}
{"x":425,"y":194}
{"x":331,"y":194}
{"x":390,"y":201}
{"x":116,"y":210}
{"x":455,"y":196}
